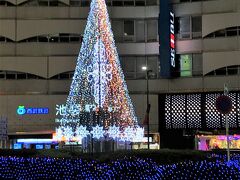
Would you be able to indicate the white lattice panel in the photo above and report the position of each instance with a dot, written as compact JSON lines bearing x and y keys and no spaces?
{"x":194,"y":111}
{"x":168,"y":112}
{"x":212,"y":115}
{"x":178,"y":112}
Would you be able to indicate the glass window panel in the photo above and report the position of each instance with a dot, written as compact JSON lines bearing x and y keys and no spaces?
{"x":232,"y":32}
{"x":129,"y":64}
{"x":184,"y":24}
{"x":141,"y":61}
{"x":220,"y":33}
{"x":232,"y":70}
{"x":64,"y":76}
{"x":221,"y":71}
{"x":186,"y":65}
{"x":128,"y":28}
{"x":151,"y":2}
{"x":2,"y":39}
{"x":117,"y":3}
{"x":140,"y":2}
{"x":197,"y":64}
{"x":43,"y":3}
{"x":32,"y":76}
{"x":152,"y":64}
{"x":53,"y":3}
{"x":64,"y":39}
{"x":53,"y":39}
{"x":2,"y":76}
{"x":197,"y":24}
{"x":21,"y":76}
{"x":117,"y":27}
{"x":33,"y":39}
{"x":140,"y":35}
{"x":75,"y":3}
{"x":128,"y":3}
{"x":10,"y":75}
{"x":42,"y":39}
{"x":85,"y":3}
{"x":152,"y":30}
{"x":74,"y":39}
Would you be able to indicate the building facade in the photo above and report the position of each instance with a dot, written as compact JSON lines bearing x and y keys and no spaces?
{"x":40,"y":40}
{"x":39,"y":44}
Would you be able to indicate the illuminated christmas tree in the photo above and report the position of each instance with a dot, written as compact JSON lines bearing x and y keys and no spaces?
{"x":98,"y":104}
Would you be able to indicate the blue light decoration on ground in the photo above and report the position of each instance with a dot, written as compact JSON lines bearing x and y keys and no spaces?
{"x":126,"y":168}
{"x":98,"y":103}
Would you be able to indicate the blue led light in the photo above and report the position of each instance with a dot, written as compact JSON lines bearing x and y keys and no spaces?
{"x":216,"y":167}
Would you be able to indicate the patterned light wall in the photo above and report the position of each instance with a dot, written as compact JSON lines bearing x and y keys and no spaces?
{"x":197,"y":111}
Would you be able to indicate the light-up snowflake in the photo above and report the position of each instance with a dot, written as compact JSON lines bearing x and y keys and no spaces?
{"x":129,"y":133}
{"x":59,"y":134}
{"x":113,"y":132}
{"x":97,"y":132}
{"x":68,"y":133}
{"x":81,"y":132}
{"x":139,"y":133}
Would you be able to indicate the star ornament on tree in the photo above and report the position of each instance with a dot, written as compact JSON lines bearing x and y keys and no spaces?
{"x":97,"y":132}
{"x":114,"y":132}
{"x":81,"y":132}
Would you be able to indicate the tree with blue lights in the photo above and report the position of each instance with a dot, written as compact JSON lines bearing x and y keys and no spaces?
{"x":98,"y":104}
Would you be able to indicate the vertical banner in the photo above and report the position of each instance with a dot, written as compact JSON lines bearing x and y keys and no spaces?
{"x":169,"y":63}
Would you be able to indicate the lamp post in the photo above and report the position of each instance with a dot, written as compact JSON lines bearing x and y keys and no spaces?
{"x":148,"y":71}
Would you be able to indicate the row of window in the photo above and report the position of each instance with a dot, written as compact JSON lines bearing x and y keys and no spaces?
{"x":124,"y":31}
{"x":189,"y":27}
{"x":83,"y":3}
{"x":182,"y":1}
{"x":225,"y":71}
{"x":132,"y":67}
{"x":17,"y":75}
{"x":57,"y":38}
{"x":228,"y":32}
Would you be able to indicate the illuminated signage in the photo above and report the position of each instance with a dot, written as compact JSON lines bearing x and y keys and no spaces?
{"x":22,"y":110}
{"x":172,"y":40}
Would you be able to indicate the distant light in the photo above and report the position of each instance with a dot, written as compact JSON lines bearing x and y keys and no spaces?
{"x":144,"y":68}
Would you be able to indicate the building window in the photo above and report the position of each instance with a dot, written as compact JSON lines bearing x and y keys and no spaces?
{"x":151,"y":2}
{"x":184,"y":27}
{"x":189,"y":27}
{"x":152,"y":30}
{"x":132,"y":66}
{"x":196,"y":27}
{"x":140,"y":2}
{"x":185,"y":65}
{"x":129,"y":30}
{"x":117,"y":27}
{"x":117,"y":3}
{"x":128,"y":3}
{"x":140,"y":31}
{"x":197,"y":64}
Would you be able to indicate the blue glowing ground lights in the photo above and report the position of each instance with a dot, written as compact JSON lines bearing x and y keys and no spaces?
{"x":126,"y":168}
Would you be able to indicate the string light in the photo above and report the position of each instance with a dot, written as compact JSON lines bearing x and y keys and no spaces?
{"x":125,"y":168}
{"x":98,"y":96}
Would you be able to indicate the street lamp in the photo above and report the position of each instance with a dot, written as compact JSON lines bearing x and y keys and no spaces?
{"x":148,"y":71}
